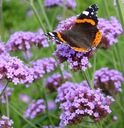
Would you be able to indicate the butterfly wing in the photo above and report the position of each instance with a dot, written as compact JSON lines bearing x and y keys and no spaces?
{"x":84,"y":34}
{"x":86,"y":26}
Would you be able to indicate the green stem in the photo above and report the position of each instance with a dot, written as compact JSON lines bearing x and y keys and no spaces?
{"x":114,"y":54}
{"x":121,"y":106}
{"x":87,"y":79}
{"x":44,"y":29}
{"x":121,"y":59}
{"x":1,"y":22}
{"x":37,"y":16}
{"x":44,"y":15}
{"x":121,"y":11}
{"x":94,"y":69}
{"x":47,"y":110}
{"x":18,"y":112}
{"x":106,"y":9}
{"x":7,"y":106}
{"x":4,"y":89}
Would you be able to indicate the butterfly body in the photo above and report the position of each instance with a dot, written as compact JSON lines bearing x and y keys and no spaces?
{"x":84,"y":34}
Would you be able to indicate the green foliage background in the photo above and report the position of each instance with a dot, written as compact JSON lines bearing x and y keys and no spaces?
{"x":16,"y":18}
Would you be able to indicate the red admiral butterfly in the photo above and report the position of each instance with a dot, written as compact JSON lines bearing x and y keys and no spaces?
{"x":84,"y":34}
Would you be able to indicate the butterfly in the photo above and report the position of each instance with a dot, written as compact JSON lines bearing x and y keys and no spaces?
{"x":84,"y":35}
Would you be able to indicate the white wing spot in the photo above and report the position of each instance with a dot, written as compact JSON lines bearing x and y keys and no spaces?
{"x":86,"y":13}
{"x":92,"y":13}
{"x":51,"y":33}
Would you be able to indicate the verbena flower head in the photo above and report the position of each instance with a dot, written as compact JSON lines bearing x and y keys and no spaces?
{"x":116,"y":3}
{"x":7,"y":93}
{"x":108,"y":80}
{"x":13,"y":69}
{"x":43,"y":66}
{"x":79,"y":101}
{"x":66,"y":24}
{"x":51,"y":105}
{"x":76,"y":60}
{"x":24,"y":40}
{"x":27,"y":55}
{"x":5,"y":122}
{"x":114,"y":118}
{"x":3,"y":49}
{"x":54,"y":81}
{"x":35,"y":108}
{"x":110,"y":29}
{"x":24,"y":98}
{"x":68,"y":3}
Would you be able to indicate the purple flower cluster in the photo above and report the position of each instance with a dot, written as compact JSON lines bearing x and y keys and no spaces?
{"x":7,"y":93}
{"x":54,"y":81}
{"x":24,"y":98}
{"x":79,"y":101}
{"x":35,"y":108}
{"x":51,"y":105}
{"x":24,"y":40}
{"x":43,"y":66}
{"x":110,"y":29}
{"x":108,"y":80}
{"x":76,"y":60}
{"x":70,"y":4}
{"x":3,"y":49}
{"x":13,"y":69}
{"x":5,"y":122}
{"x":66,"y":24}
{"x":115,"y":2}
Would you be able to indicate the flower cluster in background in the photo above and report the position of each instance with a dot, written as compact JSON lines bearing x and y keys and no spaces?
{"x":70,"y":103}
{"x":24,"y":40}
{"x":108,"y":80}
{"x":3,"y":49}
{"x":34,"y":109}
{"x":5,"y":122}
{"x":66,"y":24}
{"x":24,"y":98}
{"x":7,"y":93}
{"x":13,"y":69}
{"x":43,"y":66}
{"x":115,"y":3}
{"x":70,"y":4}
{"x":79,"y":101}
{"x":54,"y":81}
{"x":110,"y":29}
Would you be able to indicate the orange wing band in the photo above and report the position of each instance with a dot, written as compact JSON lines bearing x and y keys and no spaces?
{"x":97,"y":38}
{"x":85,"y":20}
{"x":60,"y":37}
{"x":79,"y":49}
